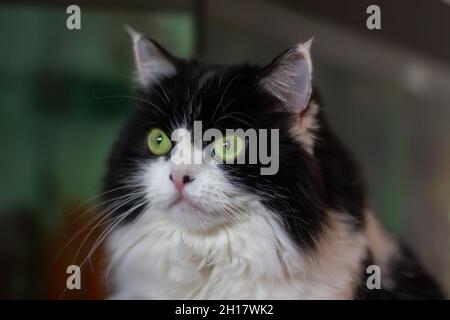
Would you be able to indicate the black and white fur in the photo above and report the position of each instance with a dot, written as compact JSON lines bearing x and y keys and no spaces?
{"x":305,"y":233}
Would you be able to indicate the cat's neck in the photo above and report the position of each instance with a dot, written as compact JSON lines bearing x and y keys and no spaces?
{"x":156,"y":258}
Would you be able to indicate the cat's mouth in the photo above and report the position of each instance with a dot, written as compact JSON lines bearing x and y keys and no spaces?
{"x":200,"y":213}
{"x":186,"y":201}
{"x":191,"y":214}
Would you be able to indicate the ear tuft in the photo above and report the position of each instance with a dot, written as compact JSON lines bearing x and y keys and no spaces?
{"x":289,"y":77}
{"x":152,"y":62}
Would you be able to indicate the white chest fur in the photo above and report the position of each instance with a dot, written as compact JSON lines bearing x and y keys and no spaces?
{"x":254,"y":259}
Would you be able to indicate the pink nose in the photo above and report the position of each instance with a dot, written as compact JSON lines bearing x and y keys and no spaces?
{"x":180,"y":179}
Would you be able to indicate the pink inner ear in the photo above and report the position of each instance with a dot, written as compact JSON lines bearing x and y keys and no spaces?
{"x":299,"y":103}
{"x":290,"y":78}
{"x":301,"y":84}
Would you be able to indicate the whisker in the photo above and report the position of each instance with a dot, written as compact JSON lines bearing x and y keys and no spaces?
{"x":108,"y":231}
{"x":87,"y":223}
{"x":105,"y":216}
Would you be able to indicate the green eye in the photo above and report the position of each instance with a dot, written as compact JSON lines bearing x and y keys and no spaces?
{"x":158,"y":142}
{"x":228,"y":148}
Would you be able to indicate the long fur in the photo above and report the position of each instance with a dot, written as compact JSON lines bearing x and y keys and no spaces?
{"x":303,"y":233}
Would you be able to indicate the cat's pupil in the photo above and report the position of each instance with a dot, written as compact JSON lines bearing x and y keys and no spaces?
{"x":159,"y":139}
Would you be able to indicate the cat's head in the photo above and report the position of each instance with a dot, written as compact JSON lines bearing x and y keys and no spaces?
{"x":178,"y":94}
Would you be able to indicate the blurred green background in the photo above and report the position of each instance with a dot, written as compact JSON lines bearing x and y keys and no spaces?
{"x":387,"y":95}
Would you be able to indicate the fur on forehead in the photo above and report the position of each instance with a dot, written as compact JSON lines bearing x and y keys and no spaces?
{"x":220,"y":97}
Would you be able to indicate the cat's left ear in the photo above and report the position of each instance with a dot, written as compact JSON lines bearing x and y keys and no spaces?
{"x":289,"y":77}
{"x":153,"y":62}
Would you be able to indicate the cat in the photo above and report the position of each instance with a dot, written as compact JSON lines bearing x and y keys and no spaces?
{"x":219,"y":230}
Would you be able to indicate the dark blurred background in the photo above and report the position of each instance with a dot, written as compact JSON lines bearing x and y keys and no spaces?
{"x":387,"y":93}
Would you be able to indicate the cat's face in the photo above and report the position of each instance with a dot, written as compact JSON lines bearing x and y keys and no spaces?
{"x":209,"y":193}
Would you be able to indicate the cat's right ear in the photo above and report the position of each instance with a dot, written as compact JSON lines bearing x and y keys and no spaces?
{"x":152,"y":62}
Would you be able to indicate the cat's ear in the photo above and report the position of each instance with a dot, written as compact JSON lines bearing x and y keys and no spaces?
{"x":152,"y":61}
{"x":289,"y":77}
